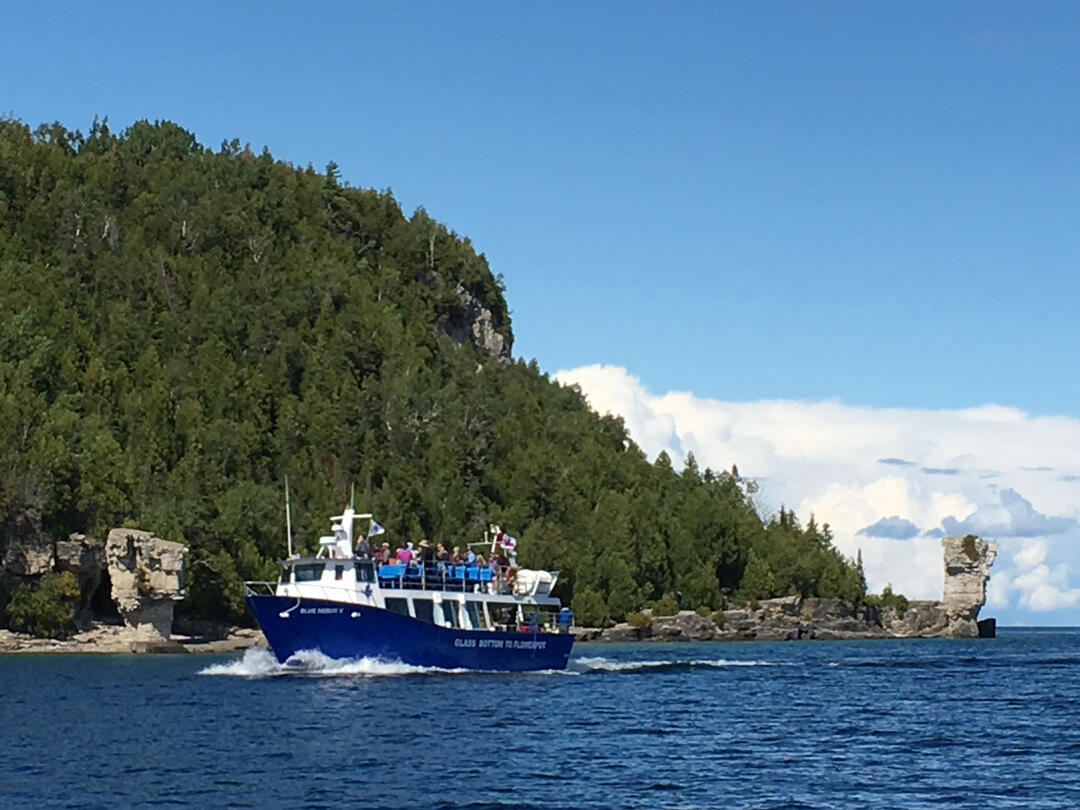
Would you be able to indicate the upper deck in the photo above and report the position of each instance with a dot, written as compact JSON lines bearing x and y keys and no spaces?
{"x":351,"y":573}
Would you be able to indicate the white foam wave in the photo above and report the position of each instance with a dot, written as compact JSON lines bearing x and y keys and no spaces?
{"x":599,"y":664}
{"x":311,"y":663}
{"x":254,"y":664}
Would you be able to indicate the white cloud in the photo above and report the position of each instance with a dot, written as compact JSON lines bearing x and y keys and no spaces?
{"x":1032,"y":554}
{"x":1044,"y":588}
{"x":952,"y":471}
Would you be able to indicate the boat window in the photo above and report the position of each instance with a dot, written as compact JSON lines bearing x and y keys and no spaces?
{"x":424,"y":610}
{"x":286,"y":576}
{"x":395,"y":605}
{"x":339,"y":571}
{"x":309,"y":573}
{"x":365,"y":572}
{"x":449,"y":614}
{"x":476,"y":615}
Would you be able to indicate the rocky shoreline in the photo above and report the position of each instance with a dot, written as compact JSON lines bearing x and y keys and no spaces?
{"x":789,"y":619}
{"x":139,"y":578}
{"x":105,"y":639}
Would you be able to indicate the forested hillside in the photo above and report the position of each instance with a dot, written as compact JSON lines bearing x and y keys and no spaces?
{"x":180,"y":328}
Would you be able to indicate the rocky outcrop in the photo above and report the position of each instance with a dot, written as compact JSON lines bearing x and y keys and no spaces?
{"x":967,"y":569}
{"x":472,"y":321}
{"x":132,"y":580}
{"x":111,"y":639}
{"x":25,"y":548}
{"x":30,"y":555}
{"x":147,"y":577}
{"x":85,"y":558}
{"x":28,"y":558}
{"x":784,"y":619}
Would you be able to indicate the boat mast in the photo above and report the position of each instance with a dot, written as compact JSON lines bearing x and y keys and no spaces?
{"x":288,"y":519}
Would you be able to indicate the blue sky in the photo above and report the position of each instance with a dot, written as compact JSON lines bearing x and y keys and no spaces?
{"x":856,"y":202}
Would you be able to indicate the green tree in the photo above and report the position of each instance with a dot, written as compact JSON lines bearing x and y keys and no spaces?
{"x":48,"y":609}
{"x":758,"y":581}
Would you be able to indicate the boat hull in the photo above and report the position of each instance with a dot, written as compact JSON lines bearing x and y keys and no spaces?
{"x":357,"y":631}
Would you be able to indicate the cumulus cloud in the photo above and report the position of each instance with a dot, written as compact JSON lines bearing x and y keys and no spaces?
{"x":1011,"y":516}
{"x":894,"y":528}
{"x":876,"y":474}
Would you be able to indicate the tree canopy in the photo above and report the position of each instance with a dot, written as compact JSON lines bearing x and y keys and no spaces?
{"x":180,"y":328}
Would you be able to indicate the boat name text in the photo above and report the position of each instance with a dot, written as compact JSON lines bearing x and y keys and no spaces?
{"x":500,"y":644}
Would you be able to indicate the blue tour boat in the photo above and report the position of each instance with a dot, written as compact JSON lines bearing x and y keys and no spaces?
{"x":436,"y":615}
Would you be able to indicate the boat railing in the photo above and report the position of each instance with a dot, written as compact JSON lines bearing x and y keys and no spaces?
{"x":311,"y":590}
{"x":453,"y":577}
{"x":260,"y":588}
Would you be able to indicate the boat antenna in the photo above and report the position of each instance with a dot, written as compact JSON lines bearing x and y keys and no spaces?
{"x":352,"y":496}
{"x":288,"y":519}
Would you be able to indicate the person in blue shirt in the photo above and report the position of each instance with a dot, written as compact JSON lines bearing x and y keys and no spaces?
{"x":566,"y":619}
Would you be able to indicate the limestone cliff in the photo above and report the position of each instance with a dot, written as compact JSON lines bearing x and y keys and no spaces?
{"x":133,"y":577}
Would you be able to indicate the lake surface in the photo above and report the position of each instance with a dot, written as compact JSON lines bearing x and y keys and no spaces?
{"x":882,"y":724}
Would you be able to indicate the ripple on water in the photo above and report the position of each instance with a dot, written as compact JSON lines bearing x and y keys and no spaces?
{"x":878,"y":724}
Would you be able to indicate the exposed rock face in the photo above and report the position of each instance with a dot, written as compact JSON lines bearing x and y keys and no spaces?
{"x":922,"y":619}
{"x":32,"y":554}
{"x":147,"y":576}
{"x":25,"y":548}
{"x":474,"y":322}
{"x":967,"y":568}
{"x":783,"y":619}
{"x":28,"y":558}
{"x":85,"y":558}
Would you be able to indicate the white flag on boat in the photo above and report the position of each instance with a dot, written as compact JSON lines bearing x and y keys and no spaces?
{"x":375,"y":529}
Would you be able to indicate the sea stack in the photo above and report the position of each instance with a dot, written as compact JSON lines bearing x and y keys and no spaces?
{"x":147,"y":578}
{"x":967,"y":568}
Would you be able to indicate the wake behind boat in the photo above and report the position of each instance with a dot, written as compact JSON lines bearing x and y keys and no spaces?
{"x":441,"y":614}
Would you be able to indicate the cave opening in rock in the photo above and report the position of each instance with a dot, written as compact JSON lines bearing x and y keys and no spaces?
{"x":101,"y":603}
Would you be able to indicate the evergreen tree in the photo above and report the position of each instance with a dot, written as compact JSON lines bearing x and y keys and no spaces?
{"x":180,"y":328}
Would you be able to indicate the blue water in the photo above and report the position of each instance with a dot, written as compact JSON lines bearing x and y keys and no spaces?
{"x":886,"y":724}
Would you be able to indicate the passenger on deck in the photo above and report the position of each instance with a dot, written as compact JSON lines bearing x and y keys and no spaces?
{"x":404,"y":555}
{"x":456,"y":558}
{"x":441,"y":554}
{"x":507,"y":544}
{"x":363,"y":549}
{"x":427,"y":553}
{"x":384,"y":554}
{"x":470,"y":557}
